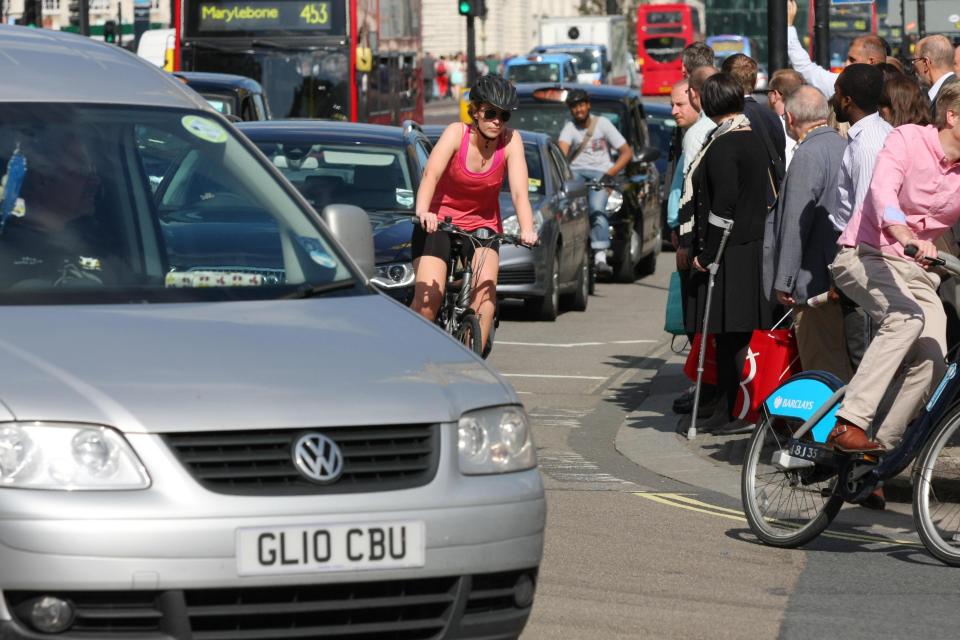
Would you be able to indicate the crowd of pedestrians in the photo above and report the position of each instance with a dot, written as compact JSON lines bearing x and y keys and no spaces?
{"x":819,"y":191}
{"x":446,"y":76}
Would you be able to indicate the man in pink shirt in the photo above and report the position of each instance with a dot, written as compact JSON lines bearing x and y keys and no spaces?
{"x":914,"y":197}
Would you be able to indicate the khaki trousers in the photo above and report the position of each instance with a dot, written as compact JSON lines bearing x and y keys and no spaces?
{"x":901,"y":299}
{"x":821,"y":340}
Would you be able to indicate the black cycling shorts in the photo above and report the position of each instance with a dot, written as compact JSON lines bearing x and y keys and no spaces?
{"x":438,"y":243}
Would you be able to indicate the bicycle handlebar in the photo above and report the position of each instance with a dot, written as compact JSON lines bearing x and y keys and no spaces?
{"x":600,"y":183}
{"x":449,"y":227}
{"x":949,"y":262}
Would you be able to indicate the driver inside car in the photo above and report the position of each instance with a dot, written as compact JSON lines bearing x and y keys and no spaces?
{"x":55,"y":238}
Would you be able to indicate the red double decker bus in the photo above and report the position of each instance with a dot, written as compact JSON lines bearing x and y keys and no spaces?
{"x":663,"y":31}
{"x":356,"y":60}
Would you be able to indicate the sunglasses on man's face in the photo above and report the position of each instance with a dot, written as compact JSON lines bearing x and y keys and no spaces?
{"x":491,"y":113}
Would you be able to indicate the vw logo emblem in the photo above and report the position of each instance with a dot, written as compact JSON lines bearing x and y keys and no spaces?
{"x":318,"y":458}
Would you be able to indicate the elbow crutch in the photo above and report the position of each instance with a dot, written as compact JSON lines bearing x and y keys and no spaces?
{"x":727,"y":225}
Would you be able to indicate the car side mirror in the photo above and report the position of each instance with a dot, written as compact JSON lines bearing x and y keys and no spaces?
{"x":608,"y":66}
{"x":646,"y":154}
{"x":351,"y":227}
{"x":575,"y":185}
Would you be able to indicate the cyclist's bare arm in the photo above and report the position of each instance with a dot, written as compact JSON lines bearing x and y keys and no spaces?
{"x":446,"y":146}
{"x":626,"y":154}
{"x":517,"y":177}
{"x":564,"y":148}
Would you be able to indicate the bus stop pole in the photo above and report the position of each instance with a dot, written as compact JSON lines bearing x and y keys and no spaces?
{"x":471,"y":52}
{"x":776,"y":35}
{"x":821,"y":33}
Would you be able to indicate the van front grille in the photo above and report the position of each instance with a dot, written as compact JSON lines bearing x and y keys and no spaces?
{"x":379,"y":458}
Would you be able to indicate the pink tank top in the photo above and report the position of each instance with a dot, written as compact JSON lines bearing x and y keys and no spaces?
{"x":471,"y":199}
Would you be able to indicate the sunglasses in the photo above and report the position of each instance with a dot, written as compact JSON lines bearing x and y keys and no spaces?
{"x":491,"y":113}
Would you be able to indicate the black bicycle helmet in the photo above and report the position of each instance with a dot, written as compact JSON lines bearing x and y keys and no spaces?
{"x":495,"y":90}
{"x":576,"y":95}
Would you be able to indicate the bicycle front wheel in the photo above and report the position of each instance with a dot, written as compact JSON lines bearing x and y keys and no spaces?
{"x":468,"y":332}
{"x":936,"y":491}
{"x":785,"y":507}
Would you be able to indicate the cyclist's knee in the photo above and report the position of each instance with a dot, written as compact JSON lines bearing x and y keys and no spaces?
{"x":426,"y":300}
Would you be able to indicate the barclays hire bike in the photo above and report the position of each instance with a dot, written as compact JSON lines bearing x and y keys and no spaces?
{"x":793,"y":485}
{"x":455,"y":315}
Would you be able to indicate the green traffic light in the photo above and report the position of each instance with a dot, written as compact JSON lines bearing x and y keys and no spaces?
{"x":465,"y":7}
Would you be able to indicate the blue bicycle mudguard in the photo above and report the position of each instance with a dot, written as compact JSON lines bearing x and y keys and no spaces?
{"x":801,"y":395}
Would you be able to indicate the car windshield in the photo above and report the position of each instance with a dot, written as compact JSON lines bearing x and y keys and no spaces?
{"x":534,"y":72}
{"x":222,"y":102}
{"x":375,"y":178}
{"x":588,"y":60}
{"x":119,"y":204}
{"x":661,"y":127}
{"x":535,"y":184}
{"x":549,"y":117}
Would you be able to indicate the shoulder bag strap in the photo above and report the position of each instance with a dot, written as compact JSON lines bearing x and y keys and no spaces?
{"x":586,"y":138}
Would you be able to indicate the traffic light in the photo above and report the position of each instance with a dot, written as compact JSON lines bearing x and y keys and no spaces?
{"x":111,"y":32}
{"x":473,"y":8}
{"x":79,"y":16}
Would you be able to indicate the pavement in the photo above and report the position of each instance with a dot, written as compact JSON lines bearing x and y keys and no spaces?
{"x":649,"y":435}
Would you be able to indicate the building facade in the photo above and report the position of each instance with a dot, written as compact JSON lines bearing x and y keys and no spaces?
{"x":509,"y":28}
{"x":56,"y":13}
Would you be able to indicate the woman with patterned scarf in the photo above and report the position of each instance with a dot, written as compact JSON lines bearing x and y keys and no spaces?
{"x":726,"y":183}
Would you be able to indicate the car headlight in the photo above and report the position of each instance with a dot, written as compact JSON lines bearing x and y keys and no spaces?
{"x":392,"y":276}
{"x":511,"y":226}
{"x":495,"y":440}
{"x":74,"y":457}
{"x":614,"y":202}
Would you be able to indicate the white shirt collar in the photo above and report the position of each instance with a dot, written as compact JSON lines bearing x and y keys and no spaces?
{"x":935,"y":89}
{"x":862,"y":124}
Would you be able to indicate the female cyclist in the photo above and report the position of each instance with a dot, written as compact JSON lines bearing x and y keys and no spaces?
{"x":462,"y":181}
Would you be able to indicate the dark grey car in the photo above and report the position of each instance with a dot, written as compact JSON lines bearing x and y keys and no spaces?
{"x":557,"y":273}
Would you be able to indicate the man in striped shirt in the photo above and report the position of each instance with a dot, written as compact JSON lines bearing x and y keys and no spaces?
{"x":856,"y":98}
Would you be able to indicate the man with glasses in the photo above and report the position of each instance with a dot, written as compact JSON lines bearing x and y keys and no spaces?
{"x":934,"y":66}
{"x":588,"y":142}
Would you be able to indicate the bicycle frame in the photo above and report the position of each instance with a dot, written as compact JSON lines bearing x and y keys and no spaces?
{"x":455,"y":303}
{"x":890,"y":464}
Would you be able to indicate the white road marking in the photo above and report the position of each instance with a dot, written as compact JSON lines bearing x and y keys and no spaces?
{"x":569,"y":418}
{"x":572,"y":467}
{"x":544,"y":375}
{"x":570,"y":345}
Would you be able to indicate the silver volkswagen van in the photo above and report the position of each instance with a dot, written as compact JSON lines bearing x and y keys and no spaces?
{"x":211,"y":425}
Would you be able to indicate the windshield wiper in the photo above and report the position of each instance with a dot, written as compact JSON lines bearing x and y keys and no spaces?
{"x":311,"y":290}
{"x":270,"y":44}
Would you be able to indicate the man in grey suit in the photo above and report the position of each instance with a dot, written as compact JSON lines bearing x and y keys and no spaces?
{"x":800,"y":241}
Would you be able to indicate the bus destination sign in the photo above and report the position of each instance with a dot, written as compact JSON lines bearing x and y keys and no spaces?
{"x":265,"y":15}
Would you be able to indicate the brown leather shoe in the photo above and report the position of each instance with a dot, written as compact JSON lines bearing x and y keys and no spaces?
{"x":851,"y":439}
{"x":875,"y":500}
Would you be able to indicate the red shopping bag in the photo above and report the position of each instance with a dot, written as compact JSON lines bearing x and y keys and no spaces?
{"x":709,"y":361}
{"x":772,"y":357}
